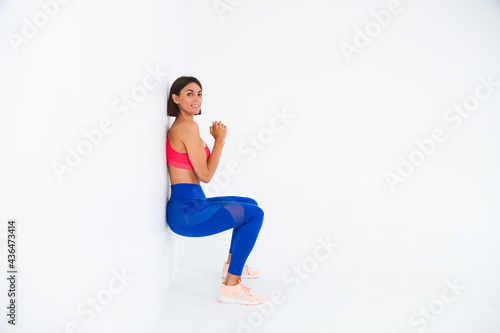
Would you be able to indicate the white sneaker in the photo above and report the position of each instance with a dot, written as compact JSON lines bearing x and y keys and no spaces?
{"x":238,"y":294}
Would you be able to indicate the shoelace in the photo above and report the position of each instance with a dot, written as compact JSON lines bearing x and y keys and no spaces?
{"x":247,"y":290}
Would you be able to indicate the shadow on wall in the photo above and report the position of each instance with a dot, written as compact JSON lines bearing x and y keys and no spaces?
{"x":176,"y":243}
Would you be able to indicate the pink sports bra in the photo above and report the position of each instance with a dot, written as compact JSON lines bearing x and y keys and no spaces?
{"x":181,"y":160}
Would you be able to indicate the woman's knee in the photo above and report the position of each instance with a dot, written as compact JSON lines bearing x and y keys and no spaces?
{"x":258,"y":214}
{"x":251,"y":201}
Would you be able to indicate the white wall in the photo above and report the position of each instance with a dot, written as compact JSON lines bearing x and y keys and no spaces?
{"x":353,"y":119}
{"x":322,"y":173}
{"x":106,"y":215}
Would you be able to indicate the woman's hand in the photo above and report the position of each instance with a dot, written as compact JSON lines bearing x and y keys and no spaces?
{"x":218,"y":131}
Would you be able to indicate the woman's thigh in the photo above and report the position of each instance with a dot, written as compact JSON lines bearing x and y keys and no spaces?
{"x":193,"y":218}
{"x":233,"y":198}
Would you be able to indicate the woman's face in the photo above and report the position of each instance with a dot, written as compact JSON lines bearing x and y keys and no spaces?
{"x":189,"y":99}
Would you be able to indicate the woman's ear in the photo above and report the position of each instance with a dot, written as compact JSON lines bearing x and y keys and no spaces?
{"x":175,"y":98}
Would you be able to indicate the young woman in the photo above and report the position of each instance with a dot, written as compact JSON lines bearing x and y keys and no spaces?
{"x":189,"y":212}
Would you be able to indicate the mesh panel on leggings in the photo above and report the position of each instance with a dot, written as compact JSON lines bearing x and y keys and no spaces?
{"x":237,"y":212}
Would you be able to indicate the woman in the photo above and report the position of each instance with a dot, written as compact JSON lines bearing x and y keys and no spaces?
{"x":189,"y":212}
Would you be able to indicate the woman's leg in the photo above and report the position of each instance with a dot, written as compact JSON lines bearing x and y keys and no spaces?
{"x":236,"y":229}
{"x":199,"y":218}
{"x":233,"y":198}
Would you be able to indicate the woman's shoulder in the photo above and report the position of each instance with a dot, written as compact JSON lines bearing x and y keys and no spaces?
{"x":185,"y":124}
{"x":183,"y":130}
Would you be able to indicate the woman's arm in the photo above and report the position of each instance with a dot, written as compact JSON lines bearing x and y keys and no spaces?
{"x":205,"y":169}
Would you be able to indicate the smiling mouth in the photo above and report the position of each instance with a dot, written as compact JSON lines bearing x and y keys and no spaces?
{"x":195,"y":105}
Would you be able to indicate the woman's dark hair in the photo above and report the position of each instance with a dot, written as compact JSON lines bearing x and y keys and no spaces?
{"x":177,"y":86}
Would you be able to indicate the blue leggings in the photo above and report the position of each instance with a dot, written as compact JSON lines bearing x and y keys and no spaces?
{"x":191,"y":214}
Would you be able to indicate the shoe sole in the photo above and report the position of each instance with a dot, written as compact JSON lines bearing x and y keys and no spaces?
{"x":225,"y":299}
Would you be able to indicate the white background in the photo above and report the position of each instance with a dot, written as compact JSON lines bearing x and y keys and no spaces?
{"x":322,"y":175}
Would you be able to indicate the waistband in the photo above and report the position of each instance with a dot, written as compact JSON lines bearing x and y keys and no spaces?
{"x":187,"y":191}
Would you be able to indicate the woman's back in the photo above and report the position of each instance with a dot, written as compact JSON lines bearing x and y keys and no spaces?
{"x":175,"y":138}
